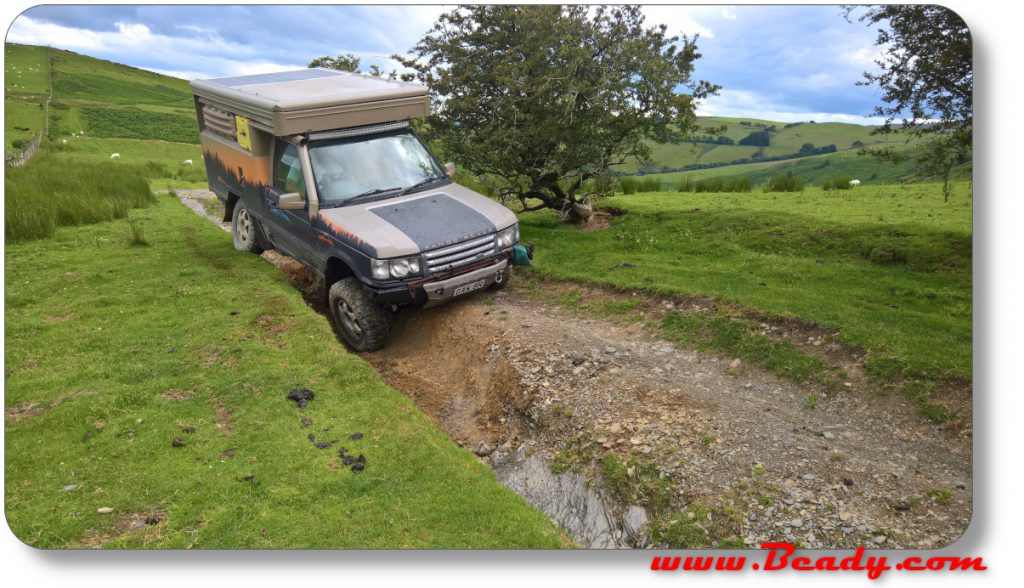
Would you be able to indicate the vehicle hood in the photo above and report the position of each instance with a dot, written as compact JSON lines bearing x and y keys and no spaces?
{"x":418,"y":222}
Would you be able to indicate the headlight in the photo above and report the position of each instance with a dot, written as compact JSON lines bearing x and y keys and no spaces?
{"x":379,"y":269}
{"x":508,"y":237}
{"x":383,"y":269}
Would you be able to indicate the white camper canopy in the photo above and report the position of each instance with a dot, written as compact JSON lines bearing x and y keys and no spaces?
{"x":308,"y":100}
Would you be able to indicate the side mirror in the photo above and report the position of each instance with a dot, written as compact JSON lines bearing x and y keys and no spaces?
{"x":449,"y":168}
{"x":291,"y":201}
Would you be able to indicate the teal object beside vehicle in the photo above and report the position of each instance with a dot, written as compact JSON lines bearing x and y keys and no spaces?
{"x":521,"y":255}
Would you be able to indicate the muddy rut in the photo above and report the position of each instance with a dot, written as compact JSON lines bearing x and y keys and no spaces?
{"x":527,"y":384}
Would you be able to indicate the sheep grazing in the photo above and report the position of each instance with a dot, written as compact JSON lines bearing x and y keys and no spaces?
{"x":115,"y":156}
{"x":187,"y":162}
{"x":854,"y":183}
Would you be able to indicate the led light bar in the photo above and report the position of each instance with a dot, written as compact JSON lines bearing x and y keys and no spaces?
{"x":358,"y":131}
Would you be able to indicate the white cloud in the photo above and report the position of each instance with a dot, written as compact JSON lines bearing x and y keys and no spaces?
{"x":861,"y":57}
{"x":678,"y":19}
{"x":816,"y":82}
{"x":727,"y":13}
{"x":209,"y":55}
{"x":748,"y":104}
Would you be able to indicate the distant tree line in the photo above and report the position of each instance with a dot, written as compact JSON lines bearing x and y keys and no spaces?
{"x":719,"y":140}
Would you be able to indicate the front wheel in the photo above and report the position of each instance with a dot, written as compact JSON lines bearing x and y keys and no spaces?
{"x":244,"y":230}
{"x":360,"y":321}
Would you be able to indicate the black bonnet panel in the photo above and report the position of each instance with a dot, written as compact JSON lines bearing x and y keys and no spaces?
{"x":435,"y":221}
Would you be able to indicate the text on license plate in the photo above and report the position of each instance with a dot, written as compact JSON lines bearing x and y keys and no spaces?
{"x":459,"y":291}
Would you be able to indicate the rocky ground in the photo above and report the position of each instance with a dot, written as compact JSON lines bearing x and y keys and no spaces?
{"x":737,"y":452}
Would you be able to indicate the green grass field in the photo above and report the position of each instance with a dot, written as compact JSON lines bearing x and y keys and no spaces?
{"x":812,"y":170}
{"x":114,"y":350}
{"x":100,"y":108}
{"x":126,"y":334}
{"x":23,"y":119}
{"x":784,"y":141}
{"x":888,"y":267}
{"x":27,"y":86}
{"x":80,"y":76}
{"x":25,"y":69}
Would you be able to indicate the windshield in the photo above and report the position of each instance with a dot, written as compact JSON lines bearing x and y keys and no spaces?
{"x":366,"y":166}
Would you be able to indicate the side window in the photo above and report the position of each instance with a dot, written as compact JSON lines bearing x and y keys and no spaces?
{"x":287,"y":170}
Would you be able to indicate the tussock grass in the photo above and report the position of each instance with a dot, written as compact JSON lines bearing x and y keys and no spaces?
{"x":631,"y":185}
{"x":786,"y":182}
{"x":136,"y":236}
{"x":52,"y":192}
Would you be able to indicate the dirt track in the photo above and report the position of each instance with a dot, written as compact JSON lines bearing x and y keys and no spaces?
{"x":506,"y":371}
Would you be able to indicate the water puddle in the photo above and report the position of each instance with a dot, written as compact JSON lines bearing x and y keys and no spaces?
{"x":568,"y":500}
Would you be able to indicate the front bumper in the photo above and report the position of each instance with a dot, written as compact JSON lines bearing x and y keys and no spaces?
{"x":444,"y":290}
{"x":437,"y":290}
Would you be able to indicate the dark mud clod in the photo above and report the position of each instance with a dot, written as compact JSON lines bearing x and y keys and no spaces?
{"x":348,"y":459}
{"x":176,"y":442}
{"x":323,"y":444}
{"x":311,"y":437}
{"x":301,"y":396}
{"x":358,"y":467}
{"x":355,"y":436}
{"x":307,"y":422}
{"x":188,"y":430}
{"x":154,"y":518}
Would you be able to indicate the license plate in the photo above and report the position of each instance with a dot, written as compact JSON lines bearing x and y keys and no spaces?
{"x":463,"y":289}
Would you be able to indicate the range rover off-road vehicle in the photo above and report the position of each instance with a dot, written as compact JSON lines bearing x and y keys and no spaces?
{"x":324,"y":166}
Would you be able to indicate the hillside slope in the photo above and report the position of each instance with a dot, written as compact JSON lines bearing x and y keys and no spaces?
{"x":100,"y":108}
{"x":27,"y":86}
{"x":784,"y":140}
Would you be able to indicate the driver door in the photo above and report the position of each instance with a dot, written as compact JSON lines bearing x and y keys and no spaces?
{"x":289,"y":230}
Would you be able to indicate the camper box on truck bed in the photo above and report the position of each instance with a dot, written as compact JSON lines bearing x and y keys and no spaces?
{"x":325,"y":167}
{"x":294,"y":102}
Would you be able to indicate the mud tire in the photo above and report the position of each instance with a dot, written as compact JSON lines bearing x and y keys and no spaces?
{"x":359,"y":321}
{"x":245,"y":230}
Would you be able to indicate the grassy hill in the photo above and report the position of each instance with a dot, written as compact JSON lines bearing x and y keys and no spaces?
{"x":785,"y":139}
{"x":812,"y":170}
{"x":28,"y":85}
{"x":99,"y":108}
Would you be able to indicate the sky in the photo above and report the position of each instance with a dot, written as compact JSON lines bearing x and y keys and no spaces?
{"x":780,"y":63}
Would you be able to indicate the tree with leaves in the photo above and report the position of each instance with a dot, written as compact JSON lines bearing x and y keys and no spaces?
{"x":346,"y":62}
{"x":349,"y":62}
{"x":927,"y":81}
{"x":539,"y":98}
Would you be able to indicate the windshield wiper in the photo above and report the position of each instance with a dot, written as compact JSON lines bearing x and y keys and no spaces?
{"x":425,"y":182}
{"x":373,"y":192}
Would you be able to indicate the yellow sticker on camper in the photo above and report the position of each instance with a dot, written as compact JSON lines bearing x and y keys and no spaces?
{"x":242,"y":132}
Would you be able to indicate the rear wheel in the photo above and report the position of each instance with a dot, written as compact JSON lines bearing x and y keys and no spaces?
{"x":360,"y":321}
{"x":244,"y":230}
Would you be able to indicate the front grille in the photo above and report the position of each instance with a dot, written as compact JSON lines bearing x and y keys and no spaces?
{"x":456,"y":256}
